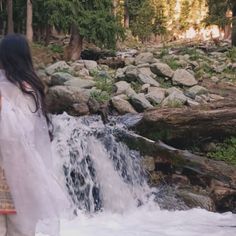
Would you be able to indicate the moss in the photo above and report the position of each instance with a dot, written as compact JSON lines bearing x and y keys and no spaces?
{"x":225,"y":151}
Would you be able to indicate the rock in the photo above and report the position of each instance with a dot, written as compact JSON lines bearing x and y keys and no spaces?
{"x":200,"y":99}
{"x":43,"y":76}
{"x":183,"y":77}
{"x":162,"y":69}
{"x":215,"y":79}
{"x":76,"y":66}
{"x":131,"y":73}
{"x":120,"y":74}
{"x":83,"y":72}
{"x":156,"y":90}
{"x":122,"y":87}
{"x":122,"y":105}
{"x":60,"y":66}
{"x":140,"y":103}
{"x":80,"y":83}
{"x":155,"y":97}
{"x":145,"y":87}
{"x":194,"y":200}
{"x":146,"y":79}
{"x":173,"y":90}
{"x":146,"y":57}
{"x":174,"y":100}
{"x":129,"y":61}
{"x":62,"y":98}
{"x":145,"y":69}
{"x":148,"y":163}
{"x":216,"y":97}
{"x":196,"y":90}
{"x":81,"y":109}
{"x":59,"y":78}
{"x":192,"y":103}
{"x":89,"y":64}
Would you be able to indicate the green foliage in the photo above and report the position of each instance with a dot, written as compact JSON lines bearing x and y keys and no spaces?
{"x":137,"y":87}
{"x":225,"y":151}
{"x":56,"y":48}
{"x":100,"y":96}
{"x":173,"y":63}
{"x":174,"y":104}
{"x":231,"y":54}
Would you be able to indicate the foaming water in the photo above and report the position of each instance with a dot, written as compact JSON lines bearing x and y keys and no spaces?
{"x":108,"y":187}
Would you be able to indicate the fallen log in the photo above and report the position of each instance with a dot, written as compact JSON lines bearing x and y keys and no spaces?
{"x":183,"y":127}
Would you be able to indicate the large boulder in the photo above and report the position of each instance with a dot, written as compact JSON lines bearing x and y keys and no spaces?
{"x":60,"y":66}
{"x":145,"y":69}
{"x":196,"y":90}
{"x":156,"y":97}
{"x":63,"y":98}
{"x":140,"y":103}
{"x":59,"y":78}
{"x":80,"y":83}
{"x":183,"y":77}
{"x":89,"y":64}
{"x":146,"y":57}
{"x":162,"y":69}
{"x":122,"y":105}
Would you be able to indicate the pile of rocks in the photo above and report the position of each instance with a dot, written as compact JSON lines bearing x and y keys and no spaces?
{"x":145,"y":82}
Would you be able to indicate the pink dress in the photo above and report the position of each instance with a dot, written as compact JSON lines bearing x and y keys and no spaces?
{"x":25,"y":156}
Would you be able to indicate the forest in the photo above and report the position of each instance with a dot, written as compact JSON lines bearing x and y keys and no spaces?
{"x":104,"y":22}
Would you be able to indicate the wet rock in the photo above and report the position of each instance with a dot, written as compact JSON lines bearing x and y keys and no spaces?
{"x":183,"y":77}
{"x":162,"y":69}
{"x":122,"y":105}
{"x":140,"y":103}
{"x":60,"y":66}
{"x":146,"y":57}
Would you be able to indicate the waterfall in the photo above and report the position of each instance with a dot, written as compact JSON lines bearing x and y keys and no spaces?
{"x":100,"y":172}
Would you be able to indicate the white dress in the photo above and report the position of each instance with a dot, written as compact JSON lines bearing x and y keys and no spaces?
{"x":25,"y":155}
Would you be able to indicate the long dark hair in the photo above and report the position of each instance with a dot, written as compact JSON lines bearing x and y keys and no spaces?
{"x":16,"y":60}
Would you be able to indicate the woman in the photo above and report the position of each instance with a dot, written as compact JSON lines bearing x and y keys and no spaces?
{"x":33,"y":198}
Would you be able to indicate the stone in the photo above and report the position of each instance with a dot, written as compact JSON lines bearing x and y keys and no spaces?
{"x":155,"y":98}
{"x":215,"y":79}
{"x":148,"y":163}
{"x":196,"y":90}
{"x":216,"y":97}
{"x":142,"y":58}
{"x":129,"y":61}
{"x":174,"y":100}
{"x":145,"y":69}
{"x":81,"y":109}
{"x":173,"y":90}
{"x":145,"y":88}
{"x":83,"y":72}
{"x":146,"y":79}
{"x":122,"y":105}
{"x":120,"y":74}
{"x":76,"y":66}
{"x":192,"y":103}
{"x":60,"y":66}
{"x":156,"y":90}
{"x":162,"y":69}
{"x":183,"y":77}
{"x":80,"y":83}
{"x":43,"y":76}
{"x":62,"y":98}
{"x":89,"y":64}
{"x":131,"y":73}
{"x":122,"y":87}
{"x":140,"y":103}
{"x":59,"y":78}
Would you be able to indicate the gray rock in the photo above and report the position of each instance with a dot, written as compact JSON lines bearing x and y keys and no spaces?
{"x":60,"y":66}
{"x":155,"y":98}
{"x":89,"y":64}
{"x":59,"y":78}
{"x":173,"y":90}
{"x":80,"y":83}
{"x":145,"y":69}
{"x":62,"y":98}
{"x":196,"y":90}
{"x":140,"y":103}
{"x":81,"y":109}
{"x":146,"y":79}
{"x":83,"y":72}
{"x":215,"y":79}
{"x":129,"y":61}
{"x":162,"y":69}
{"x":215,"y":97}
{"x":122,"y":105}
{"x":146,"y":57}
{"x":122,"y":87}
{"x":131,"y":73}
{"x":76,"y":66}
{"x":156,"y":90}
{"x":120,"y":74}
{"x":183,"y":77}
{"x":145,"y":87}
{"x":174,"y":100}
{"x":192,"y":103}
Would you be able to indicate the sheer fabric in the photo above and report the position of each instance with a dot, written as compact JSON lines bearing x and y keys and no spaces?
{"x":25,"y":155}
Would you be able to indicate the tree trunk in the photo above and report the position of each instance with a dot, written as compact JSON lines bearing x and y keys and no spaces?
{"x":183,"y":127}
{"x":73,"y":51}
{"x":29,"y":27}
{"x":234,"y":26}
{"x":126,"y":15}
{"x":10,"y":22}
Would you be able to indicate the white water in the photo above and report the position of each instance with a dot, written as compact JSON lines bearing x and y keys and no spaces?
{"x":89,"y":149}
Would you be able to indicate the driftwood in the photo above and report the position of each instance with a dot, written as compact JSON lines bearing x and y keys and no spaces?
{"x":217,"y":178}
{"x":183,"y":127}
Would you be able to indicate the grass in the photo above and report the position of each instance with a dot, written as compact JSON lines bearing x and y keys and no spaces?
{"x":175,"y":104}
{"x":100,"y":96}
{"x":165,"y":83}
{"x":56,"y":48}
{"x":173,"y":64}
{"x":231,"y":54}
{"x":225,"y":151}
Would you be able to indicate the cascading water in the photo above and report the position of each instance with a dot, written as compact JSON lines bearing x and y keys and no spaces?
{"x":105,"y":179}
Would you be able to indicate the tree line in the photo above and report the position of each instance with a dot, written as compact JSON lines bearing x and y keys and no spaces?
{"x":103,"y":22}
